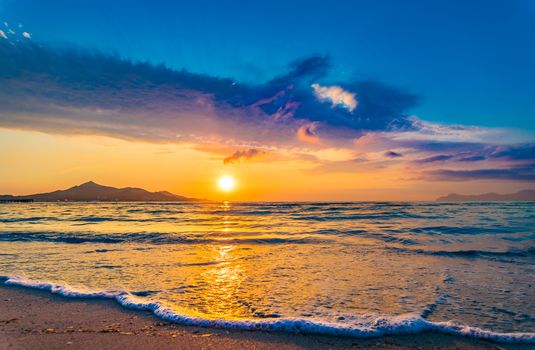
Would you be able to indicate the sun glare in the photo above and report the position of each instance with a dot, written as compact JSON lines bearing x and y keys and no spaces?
{"x":226,"y":183}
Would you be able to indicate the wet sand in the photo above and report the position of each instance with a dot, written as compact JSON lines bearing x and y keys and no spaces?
{"x":33,"y":319}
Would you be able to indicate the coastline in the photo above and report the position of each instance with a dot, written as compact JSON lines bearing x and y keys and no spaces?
{"x":37,"y":319}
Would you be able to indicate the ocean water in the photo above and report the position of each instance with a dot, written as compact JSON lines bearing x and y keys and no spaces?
{"x":352,"y":269}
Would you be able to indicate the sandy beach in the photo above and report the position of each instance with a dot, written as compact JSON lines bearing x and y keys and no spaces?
{"x":33,"y":319}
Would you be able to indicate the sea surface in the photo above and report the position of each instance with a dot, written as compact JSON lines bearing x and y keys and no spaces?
{"x":351,"y":269}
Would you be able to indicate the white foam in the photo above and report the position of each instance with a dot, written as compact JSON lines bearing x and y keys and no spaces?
{"x":357,"y":327}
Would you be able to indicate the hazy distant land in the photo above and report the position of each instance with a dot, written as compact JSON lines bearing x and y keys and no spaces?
{"x":520,"y":196}
{"x":91,"y":191}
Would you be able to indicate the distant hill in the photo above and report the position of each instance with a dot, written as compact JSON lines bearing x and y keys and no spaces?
{"x":91,"y":191}
{"x":520,"y":196}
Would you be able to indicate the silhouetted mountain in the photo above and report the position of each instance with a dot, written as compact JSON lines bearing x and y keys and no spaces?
{"x":91,"y":191}
{"x":520,"y":196}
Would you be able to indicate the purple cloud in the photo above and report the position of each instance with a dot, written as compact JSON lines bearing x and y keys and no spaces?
{"x":433,"y":159}
{"x":85,"y":92}
{"x":78,"y":91}
{"x":243,"y":155}
{"x":392,"y":154}
{"x":525,"y":173}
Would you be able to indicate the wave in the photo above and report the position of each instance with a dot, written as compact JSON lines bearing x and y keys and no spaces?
{"x":99,"y":219}
{"x":472,"y":253}
{"x":364,"y":327}
{"x":462,"y":230}
{"x":144,"y":237}
{"x":357,"y":216}
{"x":28,"y":219}
{"x":523,"y":253}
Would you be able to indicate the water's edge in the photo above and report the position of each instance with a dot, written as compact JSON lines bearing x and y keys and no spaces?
{"x":366,"y":328}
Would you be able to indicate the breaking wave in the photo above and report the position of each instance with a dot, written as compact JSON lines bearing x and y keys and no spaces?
{"x":363,"y":327}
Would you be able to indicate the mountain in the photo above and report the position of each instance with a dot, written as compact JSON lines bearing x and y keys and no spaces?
{"x":91,"y":191}
{"x":520,"y":196}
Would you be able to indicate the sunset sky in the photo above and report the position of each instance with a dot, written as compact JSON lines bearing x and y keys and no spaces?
{"x":316,"y":100}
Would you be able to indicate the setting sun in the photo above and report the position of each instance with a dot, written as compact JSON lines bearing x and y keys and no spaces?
{"x":226,"y":183}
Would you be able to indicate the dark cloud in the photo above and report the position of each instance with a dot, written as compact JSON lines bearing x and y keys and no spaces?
{"x":471,"y":158}
{"x":523,"y":173}
{"x":515,"y":152}
{"x":445,"y":147}
{"x":476,"y":152}
{"x":467,"y":151}
{"x":380,"y":107}
{"x":313,"y":67}
{"x":243,"y":155}
{"x":433,"y":159}
{"x":392,"y":154}
{"x":67,"y":90}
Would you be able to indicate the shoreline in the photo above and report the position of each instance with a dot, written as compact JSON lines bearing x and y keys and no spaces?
{"x":38,"y":319}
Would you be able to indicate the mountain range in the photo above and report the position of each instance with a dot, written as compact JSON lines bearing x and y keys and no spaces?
{"x":91,"y":191}
{"x":520,"y":196}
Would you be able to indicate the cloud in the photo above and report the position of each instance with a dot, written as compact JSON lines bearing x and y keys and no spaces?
{"x":392,"y":154}
{"x":307,"y":133}
{"x":433,"y":159}
{"x":73,"y":91}
{"x":313,"y":67}
{"x":417,"y":129}
{"x":515,"y":152}
{"x":239,"y":156}
{"x":472,"y":159}
{"x":524,"y":173}
{"x":336,"y":95}
{"x":449,"y":152}
{"x":68,"y":90}
{"x":26,"y":35}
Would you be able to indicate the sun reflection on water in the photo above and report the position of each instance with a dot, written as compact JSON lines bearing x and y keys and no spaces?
{"x":223,"y":282}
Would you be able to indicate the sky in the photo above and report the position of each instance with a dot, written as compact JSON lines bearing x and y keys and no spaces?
{"x":315,"y":100}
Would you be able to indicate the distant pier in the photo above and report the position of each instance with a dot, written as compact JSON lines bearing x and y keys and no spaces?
{"x":16,"y":200}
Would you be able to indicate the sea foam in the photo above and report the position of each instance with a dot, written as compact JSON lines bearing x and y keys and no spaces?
{"x":364,"y":327}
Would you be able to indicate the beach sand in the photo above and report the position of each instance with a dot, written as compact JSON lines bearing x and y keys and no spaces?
{"x":33,"y":319}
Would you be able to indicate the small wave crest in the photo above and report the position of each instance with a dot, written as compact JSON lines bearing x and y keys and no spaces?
{"x":145,"y":238}
{"x":472,"y":253}
{"x":363,"y":327}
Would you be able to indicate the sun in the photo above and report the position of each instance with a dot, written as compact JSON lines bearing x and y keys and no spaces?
{"x":226,"y":183}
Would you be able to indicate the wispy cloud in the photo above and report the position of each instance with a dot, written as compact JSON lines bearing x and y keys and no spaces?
{"x":524,"y":173}
{"x":244,"y":155}
{"x":434,"y":159}
{"x":393,"y":154}
{"x":307,"y":133}
{"x":336,"y":95}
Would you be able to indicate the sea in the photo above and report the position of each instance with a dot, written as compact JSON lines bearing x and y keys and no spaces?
{"x":343,"y":269}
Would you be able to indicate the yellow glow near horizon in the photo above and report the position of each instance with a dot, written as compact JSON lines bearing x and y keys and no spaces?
{"x":39,"y":162}
{"x":226,"y":183}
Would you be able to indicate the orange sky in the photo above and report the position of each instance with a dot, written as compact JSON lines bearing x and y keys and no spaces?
{"x":37,"y":162}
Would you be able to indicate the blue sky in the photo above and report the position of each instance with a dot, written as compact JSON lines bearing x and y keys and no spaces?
{"x":421,"y":94}
{"x":470,"y":62}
